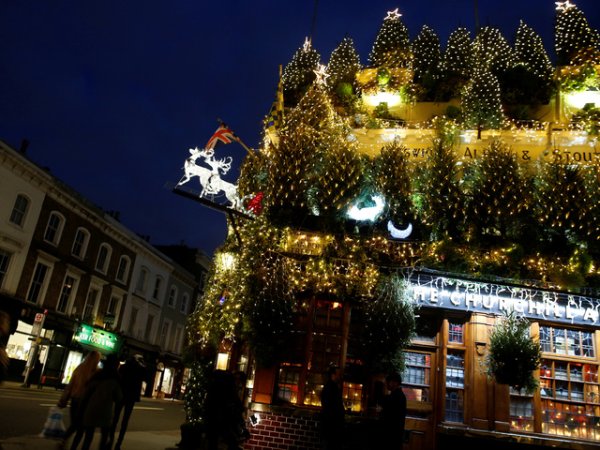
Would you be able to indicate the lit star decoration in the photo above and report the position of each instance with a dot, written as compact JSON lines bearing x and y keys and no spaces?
{"x":393,"y":15}
{"x":563,"y":6}
{"x":322,"y":75}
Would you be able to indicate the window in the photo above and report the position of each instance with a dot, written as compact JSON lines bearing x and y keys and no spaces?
{"x":38,"y":282}
{"x":185,"y":299}
{"x":123,"y":269}
{"x":570,"y":397}
{"x":287,"y":382}
{"x":112,"y":311}
{"x":132,"y":321}
{"x":157,"y":287}
{"x":149,"y":324}
{"x":66,"y":293}
{"x":103,"y":258}
{"x":80,"y":243}
{"x":89,"y":311}
{"x":456,"y":332}
{"x":177,"y":339}
{"x":172,"y":297}
{"x":521,"y":411}
{"x":417,"y":377}
{"x":562,"y":341}
{"x":54,"y":228}
{"x":164,"y":335}
{"x":19,"y":211}
{"x":4,"y":260}
{"x":141,"y":282}
{"x":455,"y":386}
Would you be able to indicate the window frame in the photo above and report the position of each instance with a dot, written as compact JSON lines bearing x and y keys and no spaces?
{"x":52,"y":232}
{"x":123,"y":269}
{"x":103,"y":268}
{"x":81,"y":231}
{"x":22,"y":214}
{"x":40,"y":287}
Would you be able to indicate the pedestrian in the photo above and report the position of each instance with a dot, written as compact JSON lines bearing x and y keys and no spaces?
{"x":393,"y":414}
{"x":102,"y":394}
{"x":224,"y":411}
{"x":332,"y":410}
{"x":4,"y":332}
{"x":132,"y":375}
{"x":74,"y":392}
{"x":35,"y":374}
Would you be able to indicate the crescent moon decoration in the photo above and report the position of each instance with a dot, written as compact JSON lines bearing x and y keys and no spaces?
{"x":399,"y":234}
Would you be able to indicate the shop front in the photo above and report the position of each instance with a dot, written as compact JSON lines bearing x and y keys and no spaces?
{"x":451,"y":398}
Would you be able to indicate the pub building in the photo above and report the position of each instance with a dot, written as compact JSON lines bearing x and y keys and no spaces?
{"x":452,"y":400}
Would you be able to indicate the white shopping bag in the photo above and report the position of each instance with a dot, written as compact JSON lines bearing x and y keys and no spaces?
{"x":54,"y":426}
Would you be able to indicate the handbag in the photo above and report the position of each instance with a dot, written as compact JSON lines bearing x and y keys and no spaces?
{"x":54,"y":425}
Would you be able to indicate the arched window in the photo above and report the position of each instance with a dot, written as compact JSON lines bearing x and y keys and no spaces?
{"x":54,"y":227}
{"x":172,"y":297}
{"x":19,"y":211}
{"x":103,"y":258}
{"x":123,"y":269}
{"x":80,"y":243}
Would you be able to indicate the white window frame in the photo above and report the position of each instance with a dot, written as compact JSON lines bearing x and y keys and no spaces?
{"x":102,"y":266}
{"x":21,"y":213}
{"x":96,"y":300}
{"x":172,"y":300}
{"x":123,"y":269}
{"x":56,"y":231}
{"x":84,"y":244}
{"x":185,"y":303}
{"x":140,"y":285}
{"x":5,"y":257}
{"x":43,"y":288}
{"x":72,"y":293}
{"x":158,"y":284}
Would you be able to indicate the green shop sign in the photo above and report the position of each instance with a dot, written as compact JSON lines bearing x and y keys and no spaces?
{"x":101,"y":339}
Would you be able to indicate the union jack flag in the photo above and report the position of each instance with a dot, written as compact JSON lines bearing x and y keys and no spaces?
{"x":222,"y":135}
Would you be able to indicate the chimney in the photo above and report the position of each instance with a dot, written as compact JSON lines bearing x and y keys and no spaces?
{"x":23,"y":147}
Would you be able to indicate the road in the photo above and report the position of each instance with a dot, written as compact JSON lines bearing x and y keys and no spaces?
{"x":24,"y":411}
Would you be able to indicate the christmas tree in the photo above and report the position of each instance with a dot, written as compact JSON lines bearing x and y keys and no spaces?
{"x":481,"y":103}
{"x":299,"y":73}
{"x":458,"y":61}
{"x":497,"y":208}
{"x":392,"y":46}
{"x":529,"y":81}
{"x":572,"y":33}
{"x":491,"y":51}
{"x":443,"y":202}
{"x":427,"y":63}
{"x":342,"y":69}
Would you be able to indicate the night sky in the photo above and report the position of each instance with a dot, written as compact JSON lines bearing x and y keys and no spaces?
{"x":112,"y":94}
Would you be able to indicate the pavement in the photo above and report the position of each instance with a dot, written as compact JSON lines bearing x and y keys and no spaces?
{"x":134,"y":440}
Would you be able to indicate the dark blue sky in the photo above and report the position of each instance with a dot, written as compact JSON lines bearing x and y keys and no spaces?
{"x":112,"y":94}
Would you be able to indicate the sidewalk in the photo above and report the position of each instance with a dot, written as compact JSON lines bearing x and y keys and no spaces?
{"x":134,"y":440}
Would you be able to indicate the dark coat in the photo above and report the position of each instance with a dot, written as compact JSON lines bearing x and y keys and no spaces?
{"x":102,"y":394}
{"x":332,"y":410}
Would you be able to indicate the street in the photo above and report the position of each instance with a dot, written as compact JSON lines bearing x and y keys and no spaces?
{"x":24,"y":411}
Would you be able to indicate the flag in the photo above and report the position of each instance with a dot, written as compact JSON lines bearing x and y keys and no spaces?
{"x":275,"y":118}
{"x":223,"y":135}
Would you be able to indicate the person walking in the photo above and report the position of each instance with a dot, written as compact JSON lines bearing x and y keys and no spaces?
{"x":74,"y":392}
{"x":393,"y":414}
{"x":132,"y":375}
{"x":224,"y":411}
{"x":102,"y":394}
{"x":332,"y":411}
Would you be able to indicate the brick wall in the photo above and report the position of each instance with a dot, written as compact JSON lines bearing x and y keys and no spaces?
{"x":284,"y":430}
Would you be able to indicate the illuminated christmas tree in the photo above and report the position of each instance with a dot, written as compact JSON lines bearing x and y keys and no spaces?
{"x":342,"y":68}
{"x":572,"y":33}
{"x":529,"y":80}
{"x":491,"y":51}
{"x":299,"y":73}
{"x":443,"y":201}
{"x":427,"y":63}
{"x":392,"y":46}
{"x":392,"y":178}
{"x":481,"y":103}
{"x":458,"y":61}
{"x":497,"y":207}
